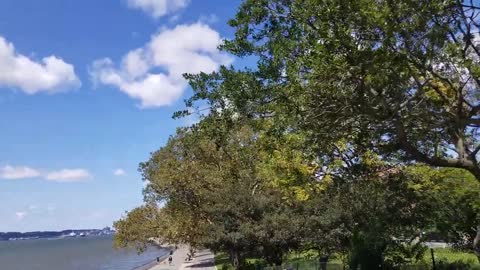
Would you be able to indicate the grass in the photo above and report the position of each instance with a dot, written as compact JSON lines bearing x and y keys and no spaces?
{"x":312,"y":255}
{"x":451,"y":255}
{"x":222,"y":261}
{"x":446,"y":255}
{"x":305,"y":260}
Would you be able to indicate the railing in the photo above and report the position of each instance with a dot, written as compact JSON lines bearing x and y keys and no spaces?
{"x":307,"y":265}
{"x":316,"y":265}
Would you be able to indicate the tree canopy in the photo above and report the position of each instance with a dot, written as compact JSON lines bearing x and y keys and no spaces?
{"x":356,"y":131}
{"x":396,"y":78}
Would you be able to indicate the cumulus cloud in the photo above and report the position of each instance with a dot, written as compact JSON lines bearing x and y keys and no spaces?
{"x":51,"y":74}
{"x":23,"y":172}
{"x":119,"y":172}
{"x":158,"y":8}
{"x":68,"y":175}
{"x":18,"y":172}
{"x":153,"y":74}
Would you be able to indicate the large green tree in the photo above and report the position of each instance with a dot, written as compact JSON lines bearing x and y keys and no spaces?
{"x":212,"y":191}
{"x":372,"y":212}
{"x":452,"y":196}
{"x":398,"y":78}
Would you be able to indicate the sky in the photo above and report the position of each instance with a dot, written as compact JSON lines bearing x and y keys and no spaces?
{"x":87,"y":92}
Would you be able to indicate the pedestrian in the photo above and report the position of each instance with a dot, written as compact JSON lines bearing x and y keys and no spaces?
{"x":170,"y":259}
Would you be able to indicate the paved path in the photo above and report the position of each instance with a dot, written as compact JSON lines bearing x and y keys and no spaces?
{"x":179,"y":257}
{"x":203,"y":260}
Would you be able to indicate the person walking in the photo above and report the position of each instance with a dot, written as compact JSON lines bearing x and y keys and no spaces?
{"x":170,"y":259}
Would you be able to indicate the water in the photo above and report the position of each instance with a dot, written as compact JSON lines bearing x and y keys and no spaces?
{"x":94,"y":253}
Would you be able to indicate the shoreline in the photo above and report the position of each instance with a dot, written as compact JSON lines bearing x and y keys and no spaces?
{"x":153,"y":263}
{"x":161,"y":259}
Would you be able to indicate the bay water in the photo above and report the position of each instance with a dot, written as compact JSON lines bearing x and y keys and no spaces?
{"x":88,"y":253}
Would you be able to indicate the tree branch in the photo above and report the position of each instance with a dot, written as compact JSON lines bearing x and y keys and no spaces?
{"x":416,"y":154}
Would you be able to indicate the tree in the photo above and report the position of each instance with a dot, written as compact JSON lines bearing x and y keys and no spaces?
{"x":207,"y":191}
{"x":453,"y":198}
{"x":372,"y":213}
{"x":137,"y":229}
{"x":399,"y":78}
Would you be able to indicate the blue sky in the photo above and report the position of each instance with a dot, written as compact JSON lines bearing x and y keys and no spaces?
{"x":87,"y":91}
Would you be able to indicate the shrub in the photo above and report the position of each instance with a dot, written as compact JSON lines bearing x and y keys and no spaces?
{"x":458,"y":265}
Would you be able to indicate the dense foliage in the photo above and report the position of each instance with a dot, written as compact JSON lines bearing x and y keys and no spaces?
{"x":321,"y":145}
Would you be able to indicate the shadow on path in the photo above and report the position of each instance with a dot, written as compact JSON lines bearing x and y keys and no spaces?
{"x":204,"y":260}
{"x":202,"y":264}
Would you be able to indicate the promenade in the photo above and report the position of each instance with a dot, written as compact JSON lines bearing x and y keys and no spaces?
{"x":203,"y":260}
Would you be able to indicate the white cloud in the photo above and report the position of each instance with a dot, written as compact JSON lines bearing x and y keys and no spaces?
{"x":23,"y":172}
{"x":68,"y":175}
{"x":153,"y":74}
{"x":18,"y":172}
{"x":119,"y":172}
{"x":20,"y":215}
{"x":51,"y":74}
{"x":158,"y":8}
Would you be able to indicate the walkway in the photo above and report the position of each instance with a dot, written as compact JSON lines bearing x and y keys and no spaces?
{"x":203,"y":260}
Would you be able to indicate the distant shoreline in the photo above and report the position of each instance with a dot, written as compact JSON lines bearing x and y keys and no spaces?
{"x":19,"y":236}
{"x":55,"y":238}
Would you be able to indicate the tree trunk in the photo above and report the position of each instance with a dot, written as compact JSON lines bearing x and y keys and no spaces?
{"x":323,"y":260}
{"x":273,"y":255}
{"x":365,"y":258}
{"x":235,"y":258}
{"x":476,"y":243}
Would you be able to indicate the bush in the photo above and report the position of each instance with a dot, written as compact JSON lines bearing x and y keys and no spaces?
{"x":458,"y":265}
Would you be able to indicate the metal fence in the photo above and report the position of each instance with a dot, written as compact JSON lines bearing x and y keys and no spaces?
{"x":308,"y":265}
{"x":316,"y":265}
